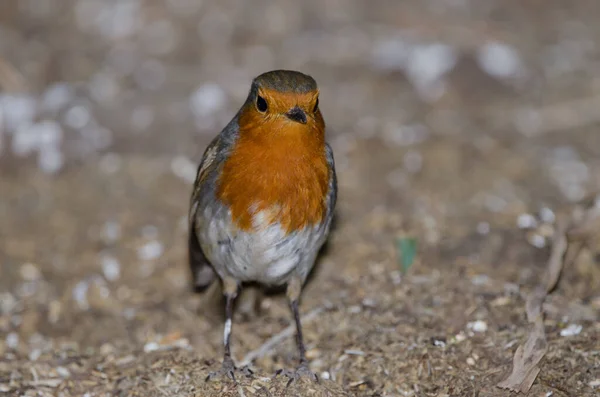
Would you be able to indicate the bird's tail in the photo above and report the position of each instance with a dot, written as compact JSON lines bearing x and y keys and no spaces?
{"x":202,"y":272}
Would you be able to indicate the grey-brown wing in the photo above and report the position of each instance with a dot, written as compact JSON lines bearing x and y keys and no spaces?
{"x":202,"y":271}
{"x":332,"y":193}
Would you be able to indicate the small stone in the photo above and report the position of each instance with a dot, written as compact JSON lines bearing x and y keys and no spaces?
{"x":29,"y":272}
{"x":460,"y":337}
{"x":595,"y":383}
{"x":483,"y":228}
{"x":480,"y":279}
{"x":354,"y":309}
{"x":471,"y":361}
{"x":547,"y":215}
{"x":150,"y":251}
{"x":151,"y":346}
{"x":80,"y":294}
{"x":184,"y":169}
{"x":526,"y":221}
{"x":396,"y":277}
{"x":12,"y":340}
{"x":111,"y":232}
{"x":477,"y":326}
{"x":35,"y":354}
{"x":63,"y":372}
{"x":536,"y":240}
{"x":207,"y":99}
{"x":7,"y":302}
{"x":111,"y":268}
{"x":499,"y":60}
{"x":571,"y":330}
{"x":77,"y":117}
{"x":50,"y":160}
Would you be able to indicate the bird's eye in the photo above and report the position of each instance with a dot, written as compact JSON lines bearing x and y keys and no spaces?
{"x":316,"y":106}
{"x":261,"y":104}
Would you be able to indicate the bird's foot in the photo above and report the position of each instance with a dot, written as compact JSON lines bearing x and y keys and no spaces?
{"x":302,"y":371}
{"x":228,"y":370}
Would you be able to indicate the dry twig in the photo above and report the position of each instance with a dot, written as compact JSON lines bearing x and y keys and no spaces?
{"x":270,"y":344}
{"x":527,"y":357}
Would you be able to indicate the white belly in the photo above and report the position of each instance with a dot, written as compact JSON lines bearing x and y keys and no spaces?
{"x":266,"y":254}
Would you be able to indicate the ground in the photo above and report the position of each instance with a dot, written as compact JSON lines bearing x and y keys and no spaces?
{"x":459,"y":124}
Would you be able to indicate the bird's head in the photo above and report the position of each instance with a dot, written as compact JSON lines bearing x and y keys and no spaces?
{"x":282,"y":104}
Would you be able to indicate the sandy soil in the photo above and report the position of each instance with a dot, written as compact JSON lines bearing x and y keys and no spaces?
{"x":459,"y":124}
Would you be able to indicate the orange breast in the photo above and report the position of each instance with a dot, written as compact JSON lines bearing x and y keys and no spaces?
{"x":279,"y":168}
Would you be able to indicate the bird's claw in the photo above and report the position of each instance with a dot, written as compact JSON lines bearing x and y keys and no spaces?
{"x":302,"y":371}
{"x":228,"y":370}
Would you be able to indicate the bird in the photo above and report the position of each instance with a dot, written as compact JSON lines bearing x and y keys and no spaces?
{"x":263,"y":200}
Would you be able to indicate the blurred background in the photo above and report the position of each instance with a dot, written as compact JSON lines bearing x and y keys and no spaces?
{"x":465,"y":126}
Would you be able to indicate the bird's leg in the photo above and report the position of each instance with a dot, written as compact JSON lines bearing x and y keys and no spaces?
{"x":293,"y":293}
{"x":228,"y":368}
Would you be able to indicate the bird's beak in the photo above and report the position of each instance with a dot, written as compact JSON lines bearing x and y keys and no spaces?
{"x":296,"y":114}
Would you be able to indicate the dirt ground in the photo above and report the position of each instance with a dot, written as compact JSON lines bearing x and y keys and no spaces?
{"x":462,"y":124}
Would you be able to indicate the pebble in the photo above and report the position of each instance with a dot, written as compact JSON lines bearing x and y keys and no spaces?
{"x":77,"y":117}
{"x":426,"y":66}
{"x":29,"y":272}
{"x":184,"y":169}
{"x":526,"y":221}
{"x":7,"y":302}
{"x":80,"y":294}
{"x":499,"y":60}
{"x":24,"y":141}
{"x":207,"y":99}
{"x":18,"y":110}
{"x":571,"y":330}
{"x":480,"y":279}
{"x":111,"y":231}
{"x":478,"y":326}
{"x":63,"y":372}
{"x":57,"y":97}
{"x":151,"y":250}
{"x":471,"y":361}
{"x":111,"y":268}
{"x":354,"y":309}
{"x":151,"y":346}
{"x":34,"y":354}
{"x":536,"y":240}
{"x":12,"y":340}
{"x":547,"y":215}
{"x":50,"y":160}
{"x":483,"y":228}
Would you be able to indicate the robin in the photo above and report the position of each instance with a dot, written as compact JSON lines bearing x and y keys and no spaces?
{"x":263,"y":199}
